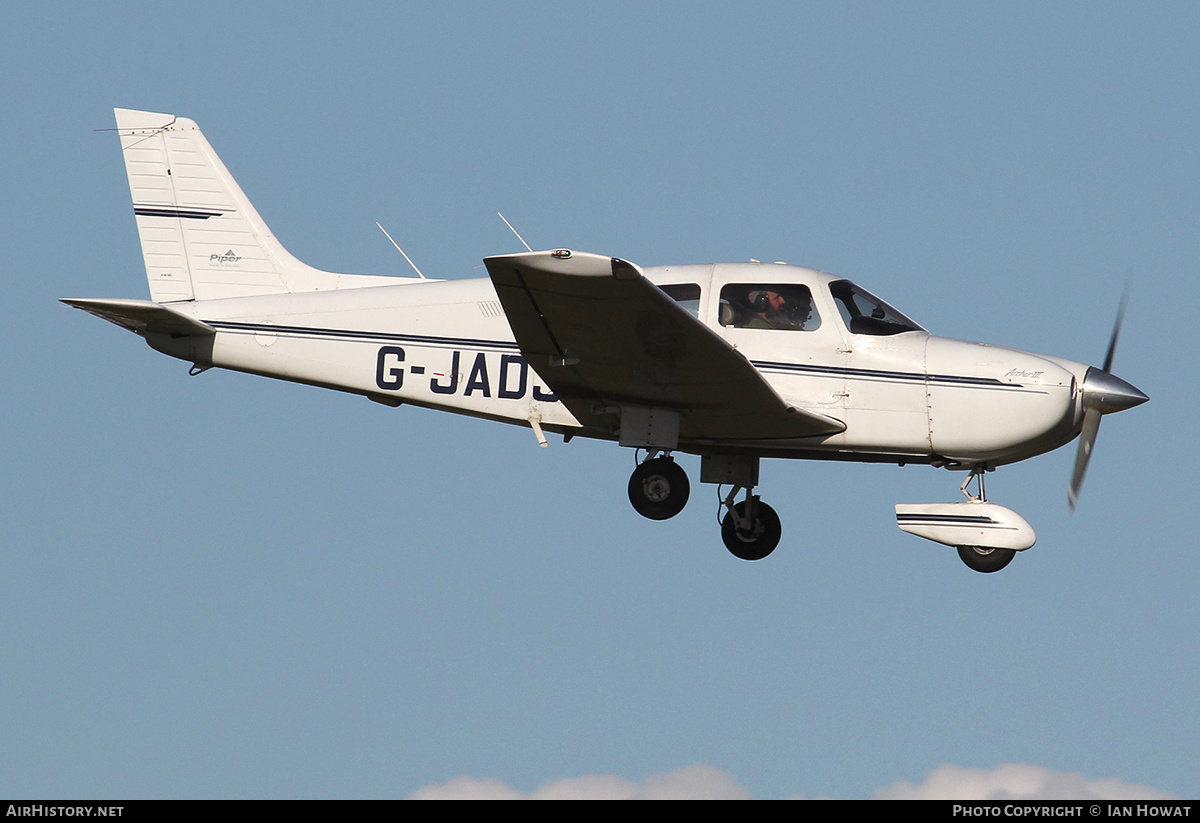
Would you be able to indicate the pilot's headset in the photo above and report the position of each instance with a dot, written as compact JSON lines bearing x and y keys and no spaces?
{"x":759,"y":301}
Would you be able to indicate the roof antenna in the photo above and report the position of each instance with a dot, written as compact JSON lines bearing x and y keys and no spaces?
{"x":514,"y":231}
{"x":397,"y":245}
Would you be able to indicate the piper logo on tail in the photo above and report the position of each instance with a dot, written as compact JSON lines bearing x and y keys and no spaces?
{"x":227,"y":257}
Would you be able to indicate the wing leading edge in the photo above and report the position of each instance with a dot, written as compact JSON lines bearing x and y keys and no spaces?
{"x":603,"y":336}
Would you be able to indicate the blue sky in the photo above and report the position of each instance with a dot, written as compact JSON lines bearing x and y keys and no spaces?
{"x":229,"y":587}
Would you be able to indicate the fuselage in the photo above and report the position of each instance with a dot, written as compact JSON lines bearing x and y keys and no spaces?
{"x":904,"y":394}
{"x":730,"y":361}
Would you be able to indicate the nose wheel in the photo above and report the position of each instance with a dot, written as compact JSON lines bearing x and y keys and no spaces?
{"x":982,"y":559}
{"x":985,"y":560}
{"x":659,"y":488}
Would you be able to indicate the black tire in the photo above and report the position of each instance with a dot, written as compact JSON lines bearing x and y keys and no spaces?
{"x":985,"y":560}
{"x":762,"y":538}
{"x":659,"y":489}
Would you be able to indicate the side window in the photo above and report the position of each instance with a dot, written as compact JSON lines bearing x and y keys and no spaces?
{"x":864,"y":313}
{"x":787,"y":306}
{"x":686,"y":295}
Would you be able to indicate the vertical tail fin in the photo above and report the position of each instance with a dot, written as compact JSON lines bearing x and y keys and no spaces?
{"x":201,"y":238}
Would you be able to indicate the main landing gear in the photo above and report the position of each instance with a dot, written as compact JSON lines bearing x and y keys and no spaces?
{"x":659,"y":489}
{"x":750,"y":529}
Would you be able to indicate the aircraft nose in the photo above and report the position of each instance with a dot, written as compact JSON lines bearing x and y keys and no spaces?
{"x":1107,"y":393}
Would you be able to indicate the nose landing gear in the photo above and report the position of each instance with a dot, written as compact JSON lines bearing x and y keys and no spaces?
{"x":982,"y":558}
{"x":987,"y":536}
{"x":985,"y":560}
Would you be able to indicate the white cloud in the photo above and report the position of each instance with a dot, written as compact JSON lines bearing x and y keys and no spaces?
{"x":466,"y":788}
{"x":698,"y":782}
{"x":1015,"y":781}
{"x":1011,"y":781}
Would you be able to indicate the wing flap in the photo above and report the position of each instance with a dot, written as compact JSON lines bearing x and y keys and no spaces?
{"x":602,"y":335}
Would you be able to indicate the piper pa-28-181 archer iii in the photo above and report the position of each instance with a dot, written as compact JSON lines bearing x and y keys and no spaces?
{"x":733,"y":362}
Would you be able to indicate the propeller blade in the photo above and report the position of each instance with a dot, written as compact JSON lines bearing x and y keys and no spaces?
{"x":1087,"y":439}
{"x":1116,"y":332}
{"x":1103,"y":393}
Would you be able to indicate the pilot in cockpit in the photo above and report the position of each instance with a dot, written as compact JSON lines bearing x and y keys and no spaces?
{"x":773,"y":310}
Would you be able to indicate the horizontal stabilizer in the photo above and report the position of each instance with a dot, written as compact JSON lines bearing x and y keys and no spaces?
{"x":143,"y":317}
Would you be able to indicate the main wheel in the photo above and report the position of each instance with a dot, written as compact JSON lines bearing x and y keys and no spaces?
{"x":986,"y":560}
{"x":659,"y":489}
{"x":759,"y":540}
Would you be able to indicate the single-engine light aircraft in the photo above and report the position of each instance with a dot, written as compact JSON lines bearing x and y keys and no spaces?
{"x":732,"y":362}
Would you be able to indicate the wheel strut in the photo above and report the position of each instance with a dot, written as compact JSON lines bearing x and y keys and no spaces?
{"x":977,"y":472}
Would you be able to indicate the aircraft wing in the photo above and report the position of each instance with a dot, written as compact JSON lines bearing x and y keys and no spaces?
{"x":602,"y":336}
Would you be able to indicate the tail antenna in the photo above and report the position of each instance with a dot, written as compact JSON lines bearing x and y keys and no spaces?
{"x":397,"y":245}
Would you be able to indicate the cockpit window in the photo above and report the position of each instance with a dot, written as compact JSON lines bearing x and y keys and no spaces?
{"x":864,"y":313}
{"x":686,"y":295}
{"x":787,"y":306}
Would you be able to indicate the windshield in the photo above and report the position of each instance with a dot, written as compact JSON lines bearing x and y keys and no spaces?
{"x":864,"y":313}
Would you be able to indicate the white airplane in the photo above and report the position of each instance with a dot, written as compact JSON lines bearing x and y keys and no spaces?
{"x":733,"y":362}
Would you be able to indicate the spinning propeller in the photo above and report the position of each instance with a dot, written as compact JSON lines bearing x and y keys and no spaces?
{"x":1103,"y":393}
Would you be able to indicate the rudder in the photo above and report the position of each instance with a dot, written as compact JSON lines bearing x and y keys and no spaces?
{"x":201,"y":238}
